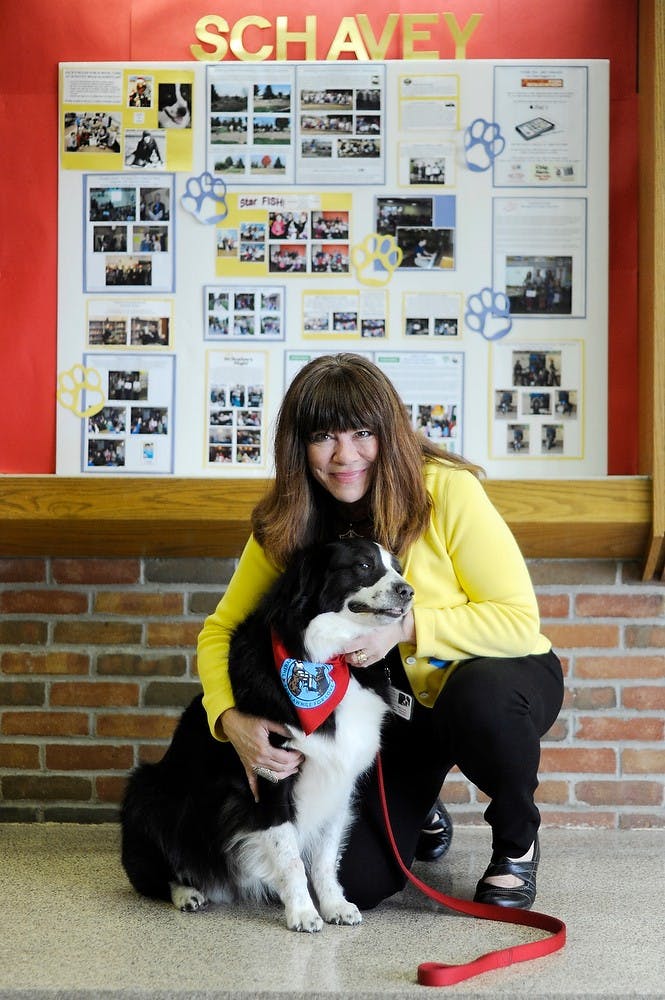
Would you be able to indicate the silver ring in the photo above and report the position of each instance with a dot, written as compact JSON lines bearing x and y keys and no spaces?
{"x":360,"y":657}
{"x":265,"y":772}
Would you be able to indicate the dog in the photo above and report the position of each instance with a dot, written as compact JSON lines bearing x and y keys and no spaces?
{"x":174,"y":105}
{"x":192,"y":832}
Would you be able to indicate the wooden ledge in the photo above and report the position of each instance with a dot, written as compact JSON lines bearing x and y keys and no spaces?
{"x":586,"y":518}
{"x":175,"y":517}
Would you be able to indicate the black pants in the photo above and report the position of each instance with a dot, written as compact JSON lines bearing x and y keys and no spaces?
{"x":488,"y":720}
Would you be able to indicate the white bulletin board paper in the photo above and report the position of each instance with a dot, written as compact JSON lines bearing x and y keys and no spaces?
{"x":221,"y":224}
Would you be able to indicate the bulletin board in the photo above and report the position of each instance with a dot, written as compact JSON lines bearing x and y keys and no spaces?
{"x":220,"y":225}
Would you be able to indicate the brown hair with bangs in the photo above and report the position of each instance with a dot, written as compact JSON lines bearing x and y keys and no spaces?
{"x":344,"y":392}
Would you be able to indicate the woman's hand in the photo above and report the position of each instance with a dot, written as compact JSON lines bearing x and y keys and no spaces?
{"x":250,"y":737}
{"x":377,"y":643}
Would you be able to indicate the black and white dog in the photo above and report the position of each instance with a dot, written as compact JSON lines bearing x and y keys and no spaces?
{"x":175,"y":105}
{"x":191,"y":830}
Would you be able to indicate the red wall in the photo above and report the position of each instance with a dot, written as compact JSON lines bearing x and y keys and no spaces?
{"x":41,"y":34}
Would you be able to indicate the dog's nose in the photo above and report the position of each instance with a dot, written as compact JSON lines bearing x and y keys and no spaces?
{"x":403,"y":590}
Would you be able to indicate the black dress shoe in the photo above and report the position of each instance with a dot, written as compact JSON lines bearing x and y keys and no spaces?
{"x":521,"y":896}
{"x":436,"y":834}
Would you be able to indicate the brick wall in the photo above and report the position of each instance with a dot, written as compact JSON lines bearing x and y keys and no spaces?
{"x":97,"y":659}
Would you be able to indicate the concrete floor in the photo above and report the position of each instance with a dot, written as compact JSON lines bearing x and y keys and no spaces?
{"x":71,"y":926}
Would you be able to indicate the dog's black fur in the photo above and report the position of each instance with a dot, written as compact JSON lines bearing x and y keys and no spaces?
{"x":191,"y":830}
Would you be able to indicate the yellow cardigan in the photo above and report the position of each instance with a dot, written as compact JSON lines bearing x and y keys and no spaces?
{"x":473,"y":594}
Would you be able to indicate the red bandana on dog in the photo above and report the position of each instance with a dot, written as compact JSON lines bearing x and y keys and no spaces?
{"x":314,"y":689}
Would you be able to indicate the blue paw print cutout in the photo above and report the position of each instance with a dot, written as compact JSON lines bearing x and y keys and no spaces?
{"x":483,"y":142}
{"x":205,"y":198}
{"x":488,"y":313}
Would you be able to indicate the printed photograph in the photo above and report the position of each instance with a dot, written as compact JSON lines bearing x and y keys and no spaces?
{"x":316,"y":148}
{"x":117,"y":204}
{"x":141,"y":89}
{"x":372,"y":328}
{"x":150,"y":239}
{"x":252,"y":253}
{"x":130,"y":384}
{"x":106,"y":452}
{"x":109,"y":420}
{"x":539,"y":285}
{"x":149,"y":420}
{"x":272,"y":130}
{"x":145,"y":149}
{"x":154,"y":204}
{"x":107,"y":331}
{"x":228,"y":129}
{"x":445,"y":326}
{"x":436,"y":420}
{"x":287,"y":258}
{"x":236,"y":164}
{"x":108,"y":239}
{"x":267,"y":163}
{"x":536,"y":403}
{"x":536,"y":368}
{"x":426,"y":248}
{"x":92,"y":132}
{"x":272,"y":97}
{"x":551,"y":439}
{"x":228,"y":97}
{"x":505,"y":403}
{"x":227,"y":242}
{"x":128,"y":271}
{"x":174,"y":101}
{"x":331,"y":258}
{"x":349,"y":148}
{"x":427,"y":170}
{"x":566,"y":402}
{"x":326,"y":99}
{"x":150,"y":331}
{"x":405,"y":212}
{"x":517,"y":439}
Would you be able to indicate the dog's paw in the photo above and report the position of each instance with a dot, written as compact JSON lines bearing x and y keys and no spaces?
{"x":304,"y":919}
{"x":483,"y":142}
{"x":488,"y":313}
{"x":186,"y":899}
{"x":342,"y":912}
{"x":205,"y":198}
{"x":78,"y":384}
{"x":376,"y":259}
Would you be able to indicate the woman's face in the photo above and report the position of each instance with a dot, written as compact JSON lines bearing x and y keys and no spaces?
{"x":343,"y":462}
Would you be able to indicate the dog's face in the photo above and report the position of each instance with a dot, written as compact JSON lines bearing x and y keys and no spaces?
{"x":364,"y":582}
{"x":174,"y":105}
{"x":332,"y":593}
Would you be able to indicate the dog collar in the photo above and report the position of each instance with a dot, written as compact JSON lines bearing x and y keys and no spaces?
{"x":314,"y":689}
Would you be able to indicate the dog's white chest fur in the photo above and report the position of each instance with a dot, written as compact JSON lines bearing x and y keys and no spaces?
{"x":333,"y":762}
{"x":323,"y":799}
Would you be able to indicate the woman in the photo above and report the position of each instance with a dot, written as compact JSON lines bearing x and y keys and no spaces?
{"x":475,"y":682}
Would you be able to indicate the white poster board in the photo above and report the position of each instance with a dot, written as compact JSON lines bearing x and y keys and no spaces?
{"x":221,"y":224}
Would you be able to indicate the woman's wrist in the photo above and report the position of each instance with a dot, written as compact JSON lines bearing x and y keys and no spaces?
{"x":220,"y":730}
{"x":409,"y":628}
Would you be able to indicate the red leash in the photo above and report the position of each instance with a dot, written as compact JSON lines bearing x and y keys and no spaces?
{"x":441,"y":974}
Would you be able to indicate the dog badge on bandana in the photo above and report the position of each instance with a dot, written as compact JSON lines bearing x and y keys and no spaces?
{"x":314,"y":689}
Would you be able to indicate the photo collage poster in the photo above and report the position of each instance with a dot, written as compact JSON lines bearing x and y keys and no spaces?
{"x":536,"y":393}
{"x":220,"y":223}
{"x":134,"y":429}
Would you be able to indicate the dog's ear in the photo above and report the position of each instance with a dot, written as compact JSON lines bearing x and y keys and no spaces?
{"x":300,"y":584}
{"x":308,"y":574}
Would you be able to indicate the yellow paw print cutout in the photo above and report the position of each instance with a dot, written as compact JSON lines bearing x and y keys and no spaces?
{"x":74,"y":383}
{"x":376,"y":259}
